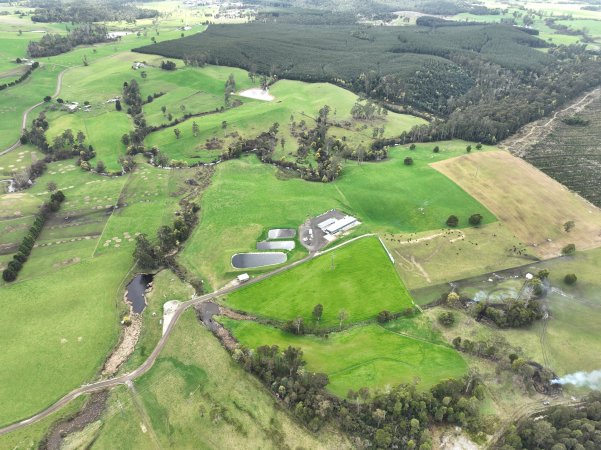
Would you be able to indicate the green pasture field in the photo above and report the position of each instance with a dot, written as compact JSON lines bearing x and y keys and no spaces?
{"x":17,"y":160}
{"x":193,"y":376}
{"x":103,"y":128}
{"x":293,"y":99}
{"x":17,"y":99}
{"x":366,"y":356}
{"x":65,"y":321}
{"x":593,"y":27}
{"x":246,"y":197}
{"x":70,"y":289}
{"x":362,"y":282}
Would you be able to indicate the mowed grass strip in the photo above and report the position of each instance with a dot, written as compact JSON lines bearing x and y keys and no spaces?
{"x":532,"y":205}
{"x":358,"y":278}
{"x":367,"y":356}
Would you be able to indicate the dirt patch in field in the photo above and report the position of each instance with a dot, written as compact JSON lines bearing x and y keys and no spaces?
{"x":66,"y":262}
{"x":88,"y":414}
{"x":532,"y":205}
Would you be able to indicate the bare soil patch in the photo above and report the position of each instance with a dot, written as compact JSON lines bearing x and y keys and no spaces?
{"x":532,"y":205}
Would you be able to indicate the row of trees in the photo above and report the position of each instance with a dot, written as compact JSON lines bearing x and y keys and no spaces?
{"x":22,"y":78}
{"x":16,"y":264}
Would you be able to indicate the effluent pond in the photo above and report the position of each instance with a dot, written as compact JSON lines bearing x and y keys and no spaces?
{"x":135,"y":292}
{"x":250,"y":260}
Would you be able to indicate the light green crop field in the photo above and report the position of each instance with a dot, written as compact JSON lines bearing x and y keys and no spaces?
{"x":193,"y":376}
{"x":293,"y":99}
{"x":362,"y":282}
{"x":246,"y":197}
{"x":366,"y":356}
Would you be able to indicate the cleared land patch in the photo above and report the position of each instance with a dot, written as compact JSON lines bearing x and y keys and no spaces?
{"x":368,"y":356}
{"x":358,"y":277}
{"x":532,"y":205}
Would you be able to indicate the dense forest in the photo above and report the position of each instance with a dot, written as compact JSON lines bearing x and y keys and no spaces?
{"x":85,"y":12}
{"x":480,"y":82}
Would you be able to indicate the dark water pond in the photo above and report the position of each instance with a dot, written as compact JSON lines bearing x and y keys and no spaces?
{"x":249,"y":260}
{"x":135,"y":292}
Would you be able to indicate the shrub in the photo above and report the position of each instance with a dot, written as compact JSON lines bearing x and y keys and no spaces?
{"x":385,"y":316}
{"x":475,"y":219}
{"x":412,"y":147}
{"x":570,"y":278}
{"x":15,"y":266}
{"x":408,"y":161}
{"x":21,"y":257}
{"x":569,"y":249}
{"x":9,"y":275}
{"x":436,"y":149}
{"x":452,"y":221}
{"x":446,"y":318}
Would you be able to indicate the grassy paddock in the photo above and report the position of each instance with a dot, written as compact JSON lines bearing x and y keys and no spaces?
{"x":370,"y":355}
{"x":362,"y":281}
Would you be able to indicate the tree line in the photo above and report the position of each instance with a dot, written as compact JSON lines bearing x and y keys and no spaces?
{"x":20,"y":258}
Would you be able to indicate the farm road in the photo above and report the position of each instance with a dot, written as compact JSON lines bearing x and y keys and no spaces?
{"x":128,"y":378}
{"x":59,"y":84}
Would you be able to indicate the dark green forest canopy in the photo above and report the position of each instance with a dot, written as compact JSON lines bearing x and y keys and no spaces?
{"x":327,"y":53}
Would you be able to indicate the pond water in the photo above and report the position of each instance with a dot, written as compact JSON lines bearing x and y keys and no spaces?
{"x":135,"y":292}
{"x":276,"y":245}
{"x":250,"y":260}
{"x":281,"y":233}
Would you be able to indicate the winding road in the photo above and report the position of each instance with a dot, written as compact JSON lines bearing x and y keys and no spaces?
{"x":59,"y":84}
{"x":127,"y":378}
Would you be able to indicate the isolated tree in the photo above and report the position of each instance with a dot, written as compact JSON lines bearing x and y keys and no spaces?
{"x":569,"y":249}
{"x":164,"y":109}
{"x":452,"y":221}
{"x":408,"y":161}
{"x":342,"y":316}
{"x":569,"y":226}
{"x":446,"y":318}
{"x":177,"y":133}
{"x":570,"y":278}
{"x":412,"y":147}
{"x":468,"y":148}
{"x":143,"y":74}
{"x":118,"y":106}
{"x":282,"y":142}
{"x":195,"y":129}
{"x":51,"y":186}
{"x":224,"y":126}
{"x":436,"y":149}
{"x":478,"y":146}
{"x":317,"y":312}
{"x":47,"y":98}
{"x":475,"y":219}
{"x":100,"y":167}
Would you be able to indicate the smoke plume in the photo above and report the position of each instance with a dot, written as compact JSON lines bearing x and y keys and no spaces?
{"x":586,"y":379}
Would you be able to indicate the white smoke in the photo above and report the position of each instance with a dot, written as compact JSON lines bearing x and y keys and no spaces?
{"x":585,"y":379}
